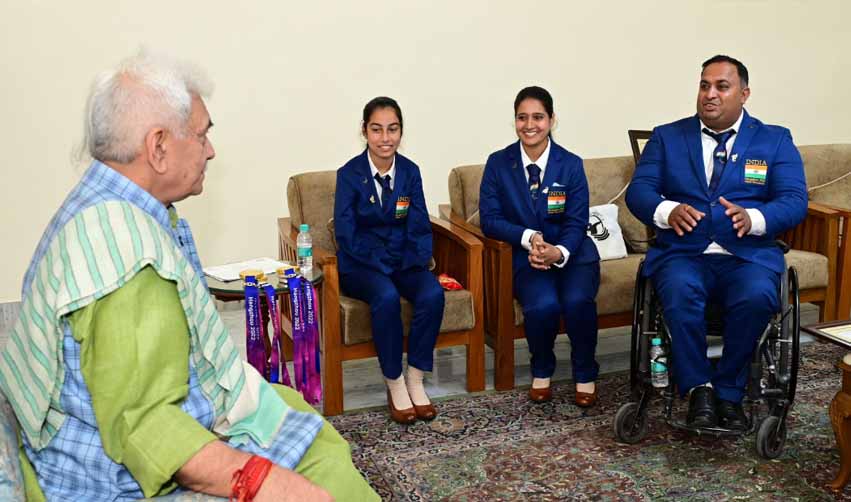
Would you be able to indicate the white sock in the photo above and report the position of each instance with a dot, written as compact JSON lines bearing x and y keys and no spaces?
{"x":398,"y":393}
{"x":414,"y":380}
{"x":540,"y":383}
{"x":586,"y":387}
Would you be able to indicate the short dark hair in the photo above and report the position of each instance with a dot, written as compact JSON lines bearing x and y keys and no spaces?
{"x":535,"y":92}
{"x":740,"y":67}
{"x":382,"y":102}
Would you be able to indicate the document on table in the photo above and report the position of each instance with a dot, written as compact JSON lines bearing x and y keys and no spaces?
{"x":842,"y":332}
{"x":230,"y":271}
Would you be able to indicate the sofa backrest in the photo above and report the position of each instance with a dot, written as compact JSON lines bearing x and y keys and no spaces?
{"x":606,"y":178}
{"x":824,"y":164}
{"x":310,"y":198}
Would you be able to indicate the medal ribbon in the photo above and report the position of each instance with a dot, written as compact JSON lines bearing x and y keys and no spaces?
{"x":311,"y":329}
{"x":297,"y":309}
{"x":278,"y":364}
{"x":254,"y":347}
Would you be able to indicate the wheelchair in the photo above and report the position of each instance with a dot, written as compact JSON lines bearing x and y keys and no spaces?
{"x":771,"y":383}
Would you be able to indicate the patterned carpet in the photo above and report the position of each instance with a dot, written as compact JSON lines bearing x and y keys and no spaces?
{"x":499,"y":446}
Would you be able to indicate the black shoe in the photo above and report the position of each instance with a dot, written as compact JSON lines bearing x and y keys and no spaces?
{"x":701,"y":408}
{"x":731,"y":416}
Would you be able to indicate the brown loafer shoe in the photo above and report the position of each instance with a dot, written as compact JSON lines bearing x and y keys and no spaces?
{"x":406,"y":416}
{"x":425,"y":412}
{"x":541,"y":395}
{"x":586,"y":399}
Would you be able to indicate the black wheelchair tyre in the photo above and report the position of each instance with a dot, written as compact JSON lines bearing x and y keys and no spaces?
{"x":629,"y":426}
{"x":771,"y":437}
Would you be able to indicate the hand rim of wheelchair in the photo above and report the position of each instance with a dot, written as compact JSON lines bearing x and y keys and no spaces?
{"x":771,"y":430}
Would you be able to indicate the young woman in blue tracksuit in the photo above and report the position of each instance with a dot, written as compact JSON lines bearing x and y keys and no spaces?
{"x":384,"y":246}
{"x":534,"y":195}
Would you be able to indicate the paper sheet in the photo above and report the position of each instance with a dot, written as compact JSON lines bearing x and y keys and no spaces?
{"x":839,"y":332}
{"x":230,"y":271}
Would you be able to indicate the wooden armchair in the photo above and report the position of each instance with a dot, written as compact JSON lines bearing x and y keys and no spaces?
{"x":815,"y":255}
{"x":828,"y":171}
{"x":503,"y":315}
{"x":346,"y":328}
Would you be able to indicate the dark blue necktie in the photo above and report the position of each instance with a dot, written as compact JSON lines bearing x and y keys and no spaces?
{"x":719,"y":155}
{"x":386,"y":191}
{"x":534,"y":180}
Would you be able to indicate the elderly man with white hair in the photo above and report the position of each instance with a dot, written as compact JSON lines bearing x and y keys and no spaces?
{"x":123,"y":378}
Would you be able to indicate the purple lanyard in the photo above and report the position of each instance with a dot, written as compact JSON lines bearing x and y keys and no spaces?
{"x":305,"y":338}
{"x":278,"y":365}
{"x":254,"y":346}
{"x":311,"y":329}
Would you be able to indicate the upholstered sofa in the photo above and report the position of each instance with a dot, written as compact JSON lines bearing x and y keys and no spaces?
{"x":346,"y":326}
{"x":815,"y":254}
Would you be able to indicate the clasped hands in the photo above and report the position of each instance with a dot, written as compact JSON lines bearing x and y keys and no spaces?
{"x":684,"y":218}
{"x":542,"y":254}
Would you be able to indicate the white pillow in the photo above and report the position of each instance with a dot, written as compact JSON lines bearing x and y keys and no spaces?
{"x":604,"y":230}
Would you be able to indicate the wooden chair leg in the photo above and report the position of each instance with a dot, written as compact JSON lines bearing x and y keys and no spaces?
{"x":503,"y":360}
{"x":332,"y":384}
{"x":476,"y":361}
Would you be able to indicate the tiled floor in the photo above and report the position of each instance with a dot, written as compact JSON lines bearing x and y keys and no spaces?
{"x":363,"y":385}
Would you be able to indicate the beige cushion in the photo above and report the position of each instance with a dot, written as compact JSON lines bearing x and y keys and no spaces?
{"x":811,"y":268}
{"x":355,"y":321}
{"x":617,"y":283}
{"x":825,"y":163}
{"x":310,"y":197}
{"x":464,"y":183}
{"x":606,"y":178}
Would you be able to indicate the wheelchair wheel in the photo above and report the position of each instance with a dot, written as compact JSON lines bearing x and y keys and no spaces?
{"x":630,"y":427}
{"x":783,"y":347}
{"x":771,"y":437}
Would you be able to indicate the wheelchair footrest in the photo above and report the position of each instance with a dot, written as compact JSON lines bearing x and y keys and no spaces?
{"x":708,"y":431}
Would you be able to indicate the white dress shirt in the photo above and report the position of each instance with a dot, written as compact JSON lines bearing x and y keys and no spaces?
{"x":663,"y":210}
{"x":374,"y":170}
{"x":528,"y":233}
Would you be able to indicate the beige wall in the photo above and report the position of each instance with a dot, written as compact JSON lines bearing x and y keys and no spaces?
{"x":292,"y":78}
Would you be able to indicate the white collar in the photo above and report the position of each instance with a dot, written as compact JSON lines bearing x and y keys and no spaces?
{"x":736,"y":125}
{"x":374,"y":170}
{"x":542,"y":160}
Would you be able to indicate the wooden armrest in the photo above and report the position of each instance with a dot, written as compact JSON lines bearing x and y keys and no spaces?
{"x":487,"y":242}
{"x":822,"y":210}
{"x":457,"y":253}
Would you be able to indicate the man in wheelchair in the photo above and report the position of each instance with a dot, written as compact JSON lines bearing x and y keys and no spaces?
{"x":717,"y":187}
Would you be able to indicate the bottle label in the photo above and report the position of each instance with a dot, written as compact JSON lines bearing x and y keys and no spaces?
{"x":304,"y":252}
{"x":657,"y":367}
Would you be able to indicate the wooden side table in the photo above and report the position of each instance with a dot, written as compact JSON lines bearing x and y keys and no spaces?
{"x":839,"y":333}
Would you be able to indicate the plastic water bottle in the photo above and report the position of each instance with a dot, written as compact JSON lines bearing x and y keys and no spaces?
{"x":658,"y":364}
{"x":304,"y":243}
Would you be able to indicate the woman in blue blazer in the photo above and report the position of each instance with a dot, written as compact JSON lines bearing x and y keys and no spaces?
{"x":534,"y":195}
{"x":384,"y":247}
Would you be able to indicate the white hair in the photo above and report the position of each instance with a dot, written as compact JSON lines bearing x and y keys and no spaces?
{"x":143,"y":92}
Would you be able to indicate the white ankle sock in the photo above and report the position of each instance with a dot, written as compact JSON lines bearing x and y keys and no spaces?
{"x":586,"y":387}
{"x":398,"y":393}
{"x":414,"y":381}
{"x":540,"y":383}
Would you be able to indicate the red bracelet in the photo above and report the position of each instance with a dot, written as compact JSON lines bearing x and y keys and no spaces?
{"x":246,"y":482}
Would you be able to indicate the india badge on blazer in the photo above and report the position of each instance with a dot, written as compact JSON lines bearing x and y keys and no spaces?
{"x":755,"y":171}
{"x":555,"y":201}
{"x":402,"y":207}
